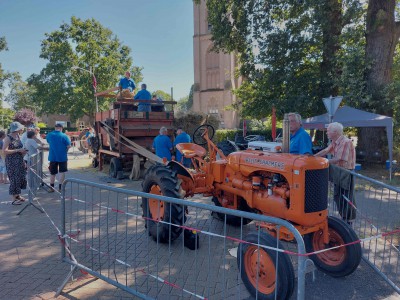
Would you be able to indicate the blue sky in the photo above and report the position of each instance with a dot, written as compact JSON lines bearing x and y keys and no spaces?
{"x":159,"y":33}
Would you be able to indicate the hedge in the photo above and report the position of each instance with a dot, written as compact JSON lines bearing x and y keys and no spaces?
{"x":50,"y":129}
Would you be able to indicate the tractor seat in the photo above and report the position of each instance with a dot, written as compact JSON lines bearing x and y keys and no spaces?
{"x":190,"y":150}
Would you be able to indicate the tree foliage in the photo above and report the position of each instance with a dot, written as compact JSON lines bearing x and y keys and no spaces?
{"x":289,"y":51}
{"x":185,"y":104}
{"x":6,"y":117}
{"x":3,"y":74}
{"x":162,"y":95}
{"x":21,"y":94}
{"x":90,"y":46}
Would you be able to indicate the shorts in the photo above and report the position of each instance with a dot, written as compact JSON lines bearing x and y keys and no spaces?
{"x":56,"y":167}
{"x":3,"y":169}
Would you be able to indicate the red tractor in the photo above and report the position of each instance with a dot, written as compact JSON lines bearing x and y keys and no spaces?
{"x":282,"y":185}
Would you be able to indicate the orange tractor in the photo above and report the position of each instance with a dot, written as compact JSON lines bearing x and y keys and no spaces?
{"x":282,"y":185}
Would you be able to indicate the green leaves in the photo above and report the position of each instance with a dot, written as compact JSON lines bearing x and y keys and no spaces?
{"x":94,"y":50}
{"x":291,"y":54}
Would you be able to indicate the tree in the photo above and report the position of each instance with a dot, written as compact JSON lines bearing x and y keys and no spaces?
{"x":88,"y":45}
{"x":185,"y":104}
{"x":6,"y":117}
{"x":21,"y":94}
{"x":382,"y":37}
{"x":3,"y":75}
{"x":288,"y":50}
{"x":162,"y":95}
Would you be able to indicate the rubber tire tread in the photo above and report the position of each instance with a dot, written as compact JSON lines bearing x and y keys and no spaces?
{"x":354,"y":252}
{"x":167,"y":180}
{"x":115,"y":167}
{"x":233,"y":220}
{"x":286,"y":275}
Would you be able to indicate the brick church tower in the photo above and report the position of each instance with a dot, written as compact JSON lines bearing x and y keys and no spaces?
{"x":213,"y":73}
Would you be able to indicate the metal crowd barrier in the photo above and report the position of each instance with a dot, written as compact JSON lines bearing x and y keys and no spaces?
{"x":34,"y":179}
{"x":104,"y":233}
{"x":372,"y":208}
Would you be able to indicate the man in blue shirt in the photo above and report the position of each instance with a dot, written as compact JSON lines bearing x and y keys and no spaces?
{"x":300,"y":140}
{"x":182,"y":137}
{"x":143,"y":94}
{"x":59,"y":144}
{"x":127,"y":82}
{"x":162,"y":144}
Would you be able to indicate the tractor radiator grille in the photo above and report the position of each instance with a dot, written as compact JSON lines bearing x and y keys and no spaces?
{"x":316,"y":190}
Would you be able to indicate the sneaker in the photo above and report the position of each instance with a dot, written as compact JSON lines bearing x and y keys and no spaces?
{"x":51,"y":190}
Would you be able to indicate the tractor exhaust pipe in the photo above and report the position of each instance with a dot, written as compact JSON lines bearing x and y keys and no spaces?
{"x":285,"y":134}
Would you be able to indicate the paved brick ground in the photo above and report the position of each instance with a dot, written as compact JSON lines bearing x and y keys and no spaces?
{"x":31,"y":266}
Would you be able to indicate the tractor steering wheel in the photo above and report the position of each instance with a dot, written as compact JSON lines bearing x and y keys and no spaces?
{"x":251,"y":138}
{"x":199,"y":133}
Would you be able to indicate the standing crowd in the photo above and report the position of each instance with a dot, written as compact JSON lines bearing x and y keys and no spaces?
{"x":17,"y":148}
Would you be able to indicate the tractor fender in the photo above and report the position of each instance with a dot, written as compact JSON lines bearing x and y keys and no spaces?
{"x":180,"y":169}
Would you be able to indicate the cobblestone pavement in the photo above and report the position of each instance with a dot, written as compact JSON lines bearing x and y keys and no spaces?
{"x":31,"y":266}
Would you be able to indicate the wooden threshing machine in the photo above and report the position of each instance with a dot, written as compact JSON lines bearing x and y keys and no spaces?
{"x":124,"y":136}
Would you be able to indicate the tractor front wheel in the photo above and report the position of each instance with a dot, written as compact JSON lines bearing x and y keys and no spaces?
{"x":340,"y":261}
{"x":265,"y":273}
{"x":160,"y":215}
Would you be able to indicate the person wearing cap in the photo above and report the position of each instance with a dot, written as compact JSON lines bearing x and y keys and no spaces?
{"x":143,"y":94}
{"x":14,"y":152}
{"x":59,"y":144}
{"x":127,"y":83}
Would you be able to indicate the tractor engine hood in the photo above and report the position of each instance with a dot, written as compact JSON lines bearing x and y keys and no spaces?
{"x":246,"y":162}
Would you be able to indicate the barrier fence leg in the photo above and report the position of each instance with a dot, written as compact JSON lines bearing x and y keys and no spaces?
{"x":64,"y":283}
{"x":31,"y":188}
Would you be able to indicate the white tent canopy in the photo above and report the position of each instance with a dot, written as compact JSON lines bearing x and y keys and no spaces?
{"x":351,"y":117}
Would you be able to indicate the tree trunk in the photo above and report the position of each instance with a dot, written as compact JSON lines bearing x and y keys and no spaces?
{"x":382,"y":35}
{"x":330,"y":15}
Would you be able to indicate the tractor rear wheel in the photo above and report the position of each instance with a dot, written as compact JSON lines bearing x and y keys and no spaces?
{"x":159,"y":215}
{"x":337,"y":262}
{"x":234,"y":220}
{"x":265,"y":272}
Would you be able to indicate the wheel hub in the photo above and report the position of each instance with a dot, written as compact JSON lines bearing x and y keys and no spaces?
{"x":332,"y":257}
{"x":156,"y":207}
{"x":260,"y":269}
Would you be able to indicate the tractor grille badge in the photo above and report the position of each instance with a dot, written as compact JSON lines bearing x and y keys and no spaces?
{"x":269,"y":163}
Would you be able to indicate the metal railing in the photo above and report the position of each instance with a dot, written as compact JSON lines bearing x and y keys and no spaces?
{"x":372,"y":208}
{"x":104,"y":233}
